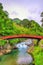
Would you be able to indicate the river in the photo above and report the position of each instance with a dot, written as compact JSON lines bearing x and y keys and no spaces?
{"x":18,"y":56}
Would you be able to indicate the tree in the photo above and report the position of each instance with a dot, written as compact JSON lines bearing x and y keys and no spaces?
{"x":25,"y":23}
{"x":1,"y":7}
{"x":6,"y":13}
{"x":42,"y":18}
{"x":42,"y":14}
{"x":42,"y":21}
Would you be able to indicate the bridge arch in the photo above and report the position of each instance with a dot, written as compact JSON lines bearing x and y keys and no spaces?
{"x":22,"y":36}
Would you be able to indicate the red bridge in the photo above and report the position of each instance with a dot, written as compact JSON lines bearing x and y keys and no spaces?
{"x":22,"y":36}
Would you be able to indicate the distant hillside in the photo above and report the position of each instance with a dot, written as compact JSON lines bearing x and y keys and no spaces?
{"x":32,"y":26}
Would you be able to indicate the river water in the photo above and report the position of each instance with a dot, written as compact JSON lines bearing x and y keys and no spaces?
{"x":17,"y":57}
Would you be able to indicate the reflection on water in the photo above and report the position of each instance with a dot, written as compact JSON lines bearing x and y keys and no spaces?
{"x":16,"y":57}
{"x":23,"y":57}
{"x":9,"y":59}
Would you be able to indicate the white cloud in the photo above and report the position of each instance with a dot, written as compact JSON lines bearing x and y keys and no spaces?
{"x":23,"y":9}
{"x":20,"y":13}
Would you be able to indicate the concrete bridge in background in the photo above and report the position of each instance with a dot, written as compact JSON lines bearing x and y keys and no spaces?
{"x":22,"y":36}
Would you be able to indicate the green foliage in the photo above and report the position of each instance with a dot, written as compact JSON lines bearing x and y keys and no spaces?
{"x":31,"y":26}
{"x":35,"y":41}
{"x":38,"y":52}
{"x":1,"y":7}
{"x":17,"y":20}
{"x":2,"y":42}
{"x":38,"y":56}
{"x":13,"y":41}
{"x":41,"y":41}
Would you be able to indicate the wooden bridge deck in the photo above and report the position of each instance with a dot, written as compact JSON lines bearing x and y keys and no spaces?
{"x":22,"y":36}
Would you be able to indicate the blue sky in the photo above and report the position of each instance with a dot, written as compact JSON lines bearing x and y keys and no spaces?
{"x":30,"y":9}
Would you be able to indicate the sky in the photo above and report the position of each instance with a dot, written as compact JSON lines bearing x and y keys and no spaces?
{"x":24,"y":9}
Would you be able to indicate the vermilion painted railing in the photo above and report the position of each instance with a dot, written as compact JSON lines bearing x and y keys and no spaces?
{"x":22,"y":36}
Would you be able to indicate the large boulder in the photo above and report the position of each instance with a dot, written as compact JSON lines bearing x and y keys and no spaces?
{"x":7,"y":46}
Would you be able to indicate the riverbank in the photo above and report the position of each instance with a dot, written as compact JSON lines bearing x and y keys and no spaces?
{"x":7,"y":48}
{"x":37,"y":52}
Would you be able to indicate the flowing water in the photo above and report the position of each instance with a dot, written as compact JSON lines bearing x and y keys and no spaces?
{"x":17,"y":57}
